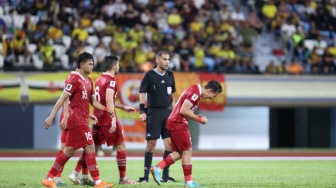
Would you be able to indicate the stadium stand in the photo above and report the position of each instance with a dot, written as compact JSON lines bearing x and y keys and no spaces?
{"x":241,"y":36}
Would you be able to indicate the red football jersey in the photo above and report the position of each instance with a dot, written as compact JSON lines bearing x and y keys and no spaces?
{"x":66,"y":80}
{"x":104,"y":82}
{"x":80,"y":90}
{"x":192,"y":94}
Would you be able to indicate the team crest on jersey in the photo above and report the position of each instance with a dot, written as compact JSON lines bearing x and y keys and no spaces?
{"x":112,"y":83}
{"x":68,"y":87}
{"x":194,"y":97}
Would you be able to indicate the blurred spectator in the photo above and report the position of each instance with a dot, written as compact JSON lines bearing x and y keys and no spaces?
{"x":196,"y":25}
{"x":225,"y":58}
{"x":174,"y":18}
{"x":140,"y":57}
{"x":320,"y":45}
{"x":20,"y":46}
{"x":137,"y":33}
{"x":287,"y":30}
{"x":225,"y":13}
{"x":100,"y":53}
{"x":99,"y":26}
{"x":254,"y":22}
{"x":39,"y":33}
{"x":110,"y":28}
{"x":132,"y":16}
{"x":315,"y":61}
{"x":328,"y":65}
{"x":282,"y":68}
{"x":85,"y":20}
{"x":313,"y":32}
{"x":161,"y":18}
{"x":126,"y":62}
{"x":146,"y":17}
{"x":271,"y":68}
{"x":269,"y":12}
{"x":237,"y":15}
{"x":185,"y":53}
{"x":197,"y":61}
{"x":28,"y":26}
{"x":295,"y":68}
{"x":248,"y":34}
{"x":301,"y":53}
{"x":80,"y":33}
{"x":47,"y":53}
{"x":8,"y":52}
{"x":55,"y":33}
{"x":115,"y":11}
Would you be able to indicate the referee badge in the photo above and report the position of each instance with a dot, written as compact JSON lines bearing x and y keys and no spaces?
{"x":169,"y":90}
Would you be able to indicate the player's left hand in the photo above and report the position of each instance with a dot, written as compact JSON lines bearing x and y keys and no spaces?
{"x":93,"y":119}
{"x":129,"y":109}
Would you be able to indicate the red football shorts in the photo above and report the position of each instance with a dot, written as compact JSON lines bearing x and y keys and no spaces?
{"x":180,"y":138}
{"x":64,"y":135}
{"x":79,"y":136}
{"x":101,"y":135}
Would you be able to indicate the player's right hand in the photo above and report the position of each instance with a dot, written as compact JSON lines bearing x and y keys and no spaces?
{"x":111,"y":112}
{"x":114,"y":126}
{"x":204,"y":120}
{"x":143,"y":117}
{"x":48,"y":122}
{"x":63,"y":124}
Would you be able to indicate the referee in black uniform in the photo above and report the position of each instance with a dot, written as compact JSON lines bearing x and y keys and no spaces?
{"x":159,"y":85}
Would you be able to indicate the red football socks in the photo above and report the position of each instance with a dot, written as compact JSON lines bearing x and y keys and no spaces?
{"x":166,"y":162}
{"x":121,"y":162}
{"x":58,"y":165}
{"x":187,"y":169}
{"x":92,"y":166}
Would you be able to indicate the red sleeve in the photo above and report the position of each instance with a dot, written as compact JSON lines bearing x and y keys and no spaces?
{"x":112,"y":84}
{"x":192,"y":97}
{"x":71,"y":85}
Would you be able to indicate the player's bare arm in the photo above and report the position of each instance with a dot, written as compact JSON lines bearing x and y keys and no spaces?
{"x":99,"y":106}
{"x":110,"y":104}
{"x":187,"y":112}
{"x":63,"y":123}
{"x":129,"y":109}
{"x":143,"y":115}
{"x":58,"y":105}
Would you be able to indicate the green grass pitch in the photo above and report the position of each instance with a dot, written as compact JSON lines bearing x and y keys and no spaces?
{"x":208,"y":173}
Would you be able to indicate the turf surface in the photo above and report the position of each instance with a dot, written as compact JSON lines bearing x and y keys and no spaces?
{"x":209,"y":173}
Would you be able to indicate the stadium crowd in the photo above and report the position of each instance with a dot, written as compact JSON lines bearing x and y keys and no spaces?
{"x":200,"y":35}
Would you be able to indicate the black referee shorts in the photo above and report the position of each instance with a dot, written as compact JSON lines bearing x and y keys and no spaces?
{"x":156,"y":123}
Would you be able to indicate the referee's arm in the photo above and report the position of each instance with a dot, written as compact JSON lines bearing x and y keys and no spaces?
{"x":172,"y":100}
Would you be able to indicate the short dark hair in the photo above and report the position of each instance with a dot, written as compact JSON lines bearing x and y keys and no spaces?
{"x":83,"y":58}
{"x":160,"y":53}
{"x":215,"y":86}
{"x":110,"y":61}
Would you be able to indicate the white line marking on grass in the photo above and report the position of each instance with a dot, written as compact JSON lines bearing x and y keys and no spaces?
{"x":194,"y":158}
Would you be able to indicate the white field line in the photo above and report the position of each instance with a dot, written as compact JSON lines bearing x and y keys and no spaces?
{"x":194,"y":158}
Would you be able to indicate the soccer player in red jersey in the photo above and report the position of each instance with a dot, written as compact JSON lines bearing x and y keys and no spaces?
{"x":177,"y":125}
{"x":78,"y":89}
{"x":81,"y":164}
{"x":109,"y":130}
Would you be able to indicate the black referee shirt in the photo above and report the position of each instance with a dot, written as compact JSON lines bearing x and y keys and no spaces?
{"x":158,"y":87}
